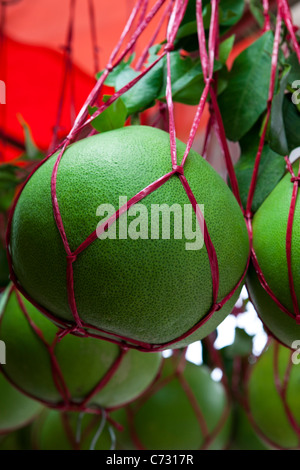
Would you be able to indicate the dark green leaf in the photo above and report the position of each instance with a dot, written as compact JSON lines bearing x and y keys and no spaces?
{"x":256,"y":9}
{"x":230,"y":11}
{"x":8,"y":183}
{"x":291,"y":123}
{"x":4,"y":270}
{"x":276,"y":133}
{"x":271,"y":169}
{"x":245,"y":97}
{"x":187,"y":79}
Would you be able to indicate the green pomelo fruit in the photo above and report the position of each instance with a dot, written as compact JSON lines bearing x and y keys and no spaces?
{"x":16,"y":409}
{"x":266,"y":405}
{"x":244,"y":436}
{"x":83,"y":361}
{"x":70,"y":431}
{"x":269,"y":243}
{"x":282,"y":326}
{"x":150,"y":290}
{"x":17,"y":440}
{"x":166,"y":419}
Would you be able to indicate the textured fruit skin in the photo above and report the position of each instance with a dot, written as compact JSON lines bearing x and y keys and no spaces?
{"x":167,"y":420}
{"x":49,"y":432}
{"x":83,"y":361}
{"x":148,"y":290}
{"x":265,"y":403}
{"x":269,"y":243}
{"x":16,"y":410}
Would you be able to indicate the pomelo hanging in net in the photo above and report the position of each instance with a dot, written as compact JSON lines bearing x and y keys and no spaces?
{"x":147,"y":288}
{"x":273,"y":397}
{"x":71,"y":373}
{"x":184,"y":409}
{"x":270,"y":229}
{"x":16,"y":409}
{"x":71,"y":431}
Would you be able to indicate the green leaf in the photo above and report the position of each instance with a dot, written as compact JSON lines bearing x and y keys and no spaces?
{"x":276,"y":133}
{"x":291,"y":123}
{"x":187,"y":79}
{"x":241,"y":346}
{"x":294,"y":74}
{"x":245,"y":97}
{"x":113,"y":117}
{"x":111,"y":79}
{"x":32,"y":152}
{"x":256,"y":9}
{"x":143,"y":94}
{"x":271,"y":169}
{"x":225,"y":49}
{"x":230,"y":11}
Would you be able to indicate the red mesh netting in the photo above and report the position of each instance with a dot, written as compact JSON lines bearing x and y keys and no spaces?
{"x":177,"y":374}
{"x":67,"y":403}
{"x":174,"y":10}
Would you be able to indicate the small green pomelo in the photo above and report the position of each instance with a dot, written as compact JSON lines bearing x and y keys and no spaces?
{"x":244,"y":436}
{"x":83,"y":362}
{"x":269,"y":243}
{"x":266,"y":405}
{"x":144,"y":287}
{"x":70,"y":431}
{"x":17,"y":440}
{"x":16,"y":409}
{"x":166,"y":418}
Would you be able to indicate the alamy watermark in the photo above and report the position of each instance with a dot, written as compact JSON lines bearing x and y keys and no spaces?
{"x":138,"y":222}
{"x":296,"y":354}
{"x":296,"y":94}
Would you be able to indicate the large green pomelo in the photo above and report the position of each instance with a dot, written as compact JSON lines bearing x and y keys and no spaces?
{"x":266,"y":406}
{"x":16,"y":409}
{"x":269,"y":243}
{"x":166,"y":418}
{"x":145,"y":289}
{"x":83,"y":361}
{"x":70,"y":431}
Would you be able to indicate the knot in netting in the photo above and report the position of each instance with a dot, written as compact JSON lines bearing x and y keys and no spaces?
{"x":178,"y":169}
{"x":295,"y":179}
{"x":109,"y":67}
{"x":169,"y":48}
{"x":217,"y":306}
{"x":71,"y":258}
{"x":75,"y":329}
{"x":248,"y":214}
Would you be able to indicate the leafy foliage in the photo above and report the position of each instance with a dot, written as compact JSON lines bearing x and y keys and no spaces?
{"x":245,"y":98}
